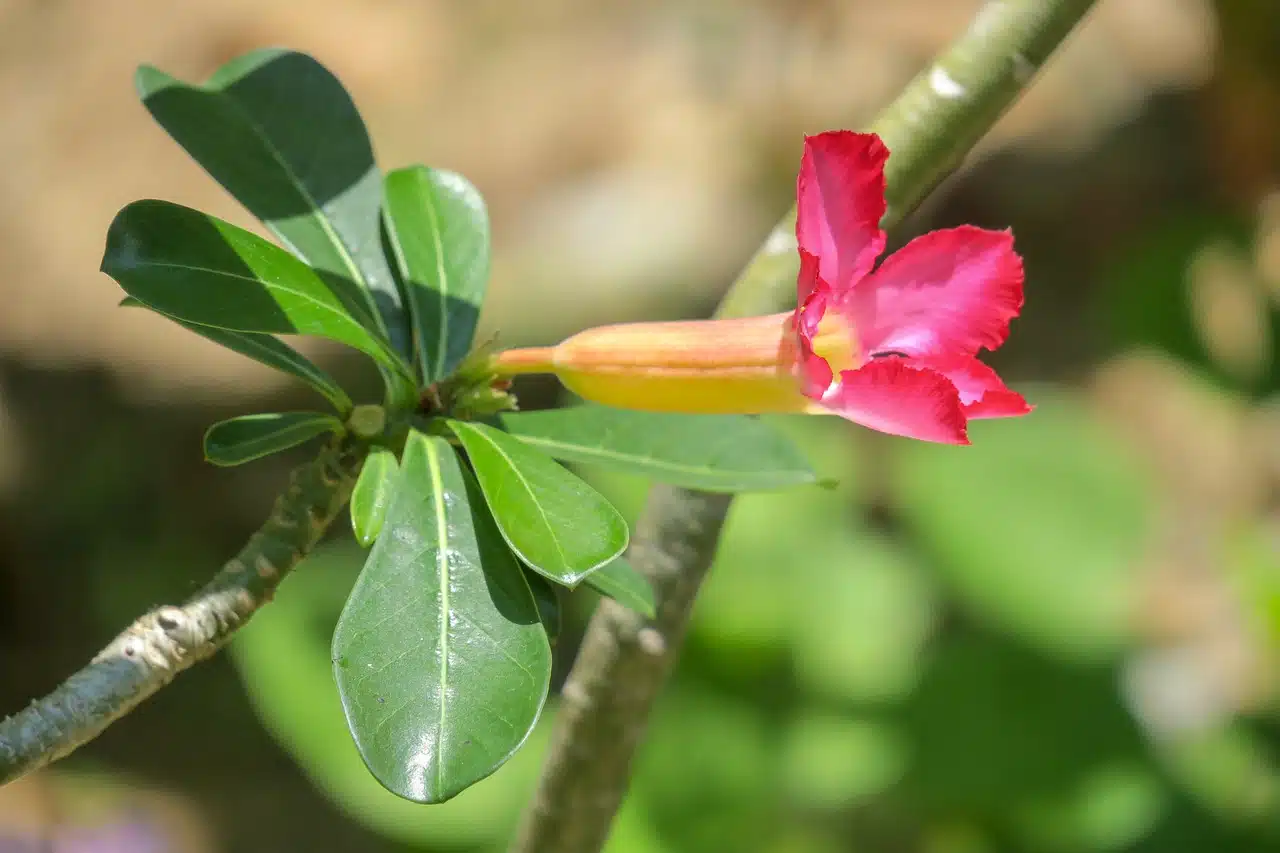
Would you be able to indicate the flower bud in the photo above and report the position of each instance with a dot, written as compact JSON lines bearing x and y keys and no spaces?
{"x":742,"y":366}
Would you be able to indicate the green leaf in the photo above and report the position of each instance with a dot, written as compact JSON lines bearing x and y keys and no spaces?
{"x":625,"y":585}
{"x":243,"y":439}
{"x":283,"y":659}
{"x":438,"y":232}
{"x":279,"y":132}
{"x":267,"y":350}
{"x":714,"y":453}
{"x":372,"y":494}
{"x":199,"y":269}
{"x":559,"y":525}
{"x":548,"y":601}
{"x":441,"y":660}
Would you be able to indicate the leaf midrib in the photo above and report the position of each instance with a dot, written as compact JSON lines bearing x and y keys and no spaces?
{"x":443,"y":276}
{"x":546,"y":522}
{"x":350,"y":321}
{"x":325,"y":225}
{"x":253,"y":280}
{"x":322,"y":382}
{"x":442,"y":569}
{"x":254,"y":445}
{"x":591,"y":450}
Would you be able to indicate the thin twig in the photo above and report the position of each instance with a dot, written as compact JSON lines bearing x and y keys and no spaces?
{"x":149,"y":653}
{"x":624,"y":660}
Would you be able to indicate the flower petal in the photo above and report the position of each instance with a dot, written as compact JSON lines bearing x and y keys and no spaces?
{"x":889,"y":395}
{"x":982,"y":393}
{"x":945,"y":293}
{"x":839,"y":204}
{"x":813,"y":294}
{"x":814,"y":372}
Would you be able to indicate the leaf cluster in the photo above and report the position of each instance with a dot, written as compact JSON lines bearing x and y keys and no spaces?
{"x":442,"y":655}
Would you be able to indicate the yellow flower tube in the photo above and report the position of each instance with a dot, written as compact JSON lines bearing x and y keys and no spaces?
{"x":736,"y":366}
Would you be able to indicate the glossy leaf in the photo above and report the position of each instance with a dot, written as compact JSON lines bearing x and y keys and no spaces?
{"x":548,"y":601}
{"x":280,"y":133}
{"x":438,"y":231}
{"x":372,"y":494}
{"x":267,"y":350}
{"x":283,"y":659}
{"x":243,"y":439}
{"x":714,"y":453}
{"x":625,"y":585}
{"x":560,"y":526}
{"x":199,"y":269}
{"x":441,"y":660}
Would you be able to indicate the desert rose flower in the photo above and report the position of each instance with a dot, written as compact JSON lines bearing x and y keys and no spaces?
{"x":893,"y":347}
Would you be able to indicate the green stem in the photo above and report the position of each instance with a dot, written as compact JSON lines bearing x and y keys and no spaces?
{"x":149,"y":653}
{"x":625,"y":660}
{"x":929,"y":129}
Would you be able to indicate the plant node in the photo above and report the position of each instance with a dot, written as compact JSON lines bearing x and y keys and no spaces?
{"x":367,"y":422}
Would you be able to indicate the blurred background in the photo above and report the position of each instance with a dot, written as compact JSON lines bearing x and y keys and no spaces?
{"x":1063,"y":638}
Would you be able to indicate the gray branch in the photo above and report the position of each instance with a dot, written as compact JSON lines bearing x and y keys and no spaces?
{"x":149,"y":653}
{"x":624,"y":661}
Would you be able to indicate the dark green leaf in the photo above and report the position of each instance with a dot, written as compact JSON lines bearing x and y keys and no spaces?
{"x":555,"y":522}
{"x":548,"y":601}
{"x":625,"y":585}
{"x":270,"y":351}
{"x":714,"y":453}
{"x":199,"y":269}
{"x":372,"y":494}
{"x":441,"y":660}
{"x":439,"y":234}
{"x":243,"y":439}
{"x":282,"y":135}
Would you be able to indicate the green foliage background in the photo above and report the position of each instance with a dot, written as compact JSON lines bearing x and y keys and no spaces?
{"x":948,"y":652}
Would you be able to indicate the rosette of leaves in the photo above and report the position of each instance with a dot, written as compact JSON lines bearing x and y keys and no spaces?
{"x":442,"y":655}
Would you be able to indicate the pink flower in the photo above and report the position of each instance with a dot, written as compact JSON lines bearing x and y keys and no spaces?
{"x":919,"y":320}
{"x":894,"y":349}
